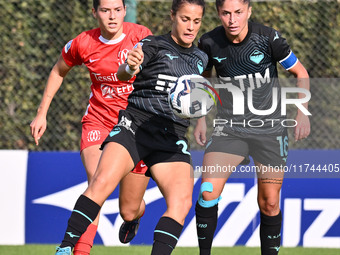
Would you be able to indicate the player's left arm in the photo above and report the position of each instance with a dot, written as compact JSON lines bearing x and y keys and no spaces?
{"x":302,"y":129}
{"x":285,"y":56}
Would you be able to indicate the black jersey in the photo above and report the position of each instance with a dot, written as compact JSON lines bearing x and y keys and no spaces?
{"x":249,"y":69}
{"x":164,"y":62}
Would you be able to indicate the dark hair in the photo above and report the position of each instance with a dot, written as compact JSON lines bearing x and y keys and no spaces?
{"x":176,"y":4}
{"x":219,"y":3}
{"x":96,"y":3}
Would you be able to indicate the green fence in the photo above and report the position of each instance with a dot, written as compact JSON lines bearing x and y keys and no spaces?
{"x":33,"y":33}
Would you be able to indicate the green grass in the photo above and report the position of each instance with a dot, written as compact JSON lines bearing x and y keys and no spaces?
{"x":144,"y":250}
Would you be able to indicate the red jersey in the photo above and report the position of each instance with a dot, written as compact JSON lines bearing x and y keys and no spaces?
{"x":102,"y":57}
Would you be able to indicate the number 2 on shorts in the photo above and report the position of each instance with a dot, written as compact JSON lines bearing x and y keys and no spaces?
{"x":185,"y":146}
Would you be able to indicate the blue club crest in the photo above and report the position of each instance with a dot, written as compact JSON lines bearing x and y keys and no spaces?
{"x":256,"y":56}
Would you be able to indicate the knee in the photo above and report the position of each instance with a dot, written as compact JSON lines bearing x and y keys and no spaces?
{"x":128,"y":211}
{"x":185,"y":204}
{"x":98,"y":181}
{"x":128,"y":214}
{"x":100,"y":187}
{"x":208,"y":196}
{"x":179,"y":208}
{"x":269,"y":206}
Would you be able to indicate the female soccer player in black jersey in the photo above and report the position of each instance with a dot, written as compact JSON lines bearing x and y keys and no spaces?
{"x":245,"y":55}
{"x":149,"y":130}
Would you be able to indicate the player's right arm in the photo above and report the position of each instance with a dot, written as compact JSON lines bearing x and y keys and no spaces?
{"x":200,"y":132}
{"x":55,"y":79}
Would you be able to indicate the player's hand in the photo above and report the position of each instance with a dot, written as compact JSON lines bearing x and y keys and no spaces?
{"x":302,"y":129}
{"x":38,"y":127}
{"x":200,"y":131}
{"x":135,"y":57}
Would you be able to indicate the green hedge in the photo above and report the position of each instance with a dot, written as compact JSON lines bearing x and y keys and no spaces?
{"x":33,"y":33}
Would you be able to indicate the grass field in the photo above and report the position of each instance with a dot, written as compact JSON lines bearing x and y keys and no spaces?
{"x":144,"y":250}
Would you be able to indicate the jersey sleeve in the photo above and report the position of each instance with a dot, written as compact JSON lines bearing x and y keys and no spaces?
{"x":204,"y":46}
{"x":70,"y":53}
{"x":281,"y":51}
{"x":150,"y":49}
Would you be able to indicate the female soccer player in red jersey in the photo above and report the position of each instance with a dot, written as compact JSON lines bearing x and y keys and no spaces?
{"x":102,"y":50}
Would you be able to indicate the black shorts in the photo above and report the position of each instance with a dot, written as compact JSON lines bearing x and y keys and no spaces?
{"x":150,"y":138}
{"x":269,"y":150}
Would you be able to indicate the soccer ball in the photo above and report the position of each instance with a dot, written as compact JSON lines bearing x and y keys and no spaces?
{"x":191,"y":96}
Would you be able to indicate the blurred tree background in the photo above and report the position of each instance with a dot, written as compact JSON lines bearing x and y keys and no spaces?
{"x":33,"y":32}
